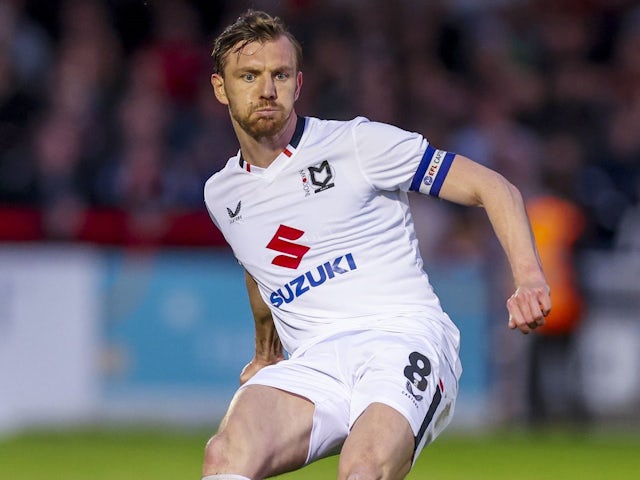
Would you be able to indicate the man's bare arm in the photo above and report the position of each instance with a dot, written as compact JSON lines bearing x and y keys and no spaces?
{"x":268,"y":349}
{"x":469,"y":183}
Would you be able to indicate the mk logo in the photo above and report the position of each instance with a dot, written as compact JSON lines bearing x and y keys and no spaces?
{"x":233,"y":214}
{"x":321,"y":176}
{"x":293,"y":252}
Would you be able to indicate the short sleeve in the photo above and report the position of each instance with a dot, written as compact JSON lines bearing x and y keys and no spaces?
{"x":395,"y":159}
{"x":388,"y":155}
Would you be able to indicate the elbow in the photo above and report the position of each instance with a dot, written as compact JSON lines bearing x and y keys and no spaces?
{"x":514,"y":192}
{"x":501,"y":189}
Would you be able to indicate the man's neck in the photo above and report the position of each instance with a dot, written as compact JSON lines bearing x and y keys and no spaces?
{"x":262,"y":152}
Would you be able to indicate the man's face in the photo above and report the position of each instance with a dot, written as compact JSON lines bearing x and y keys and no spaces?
{"x":260,"y":86}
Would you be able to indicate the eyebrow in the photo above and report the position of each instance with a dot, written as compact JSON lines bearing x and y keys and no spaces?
{"x":256,"y":71}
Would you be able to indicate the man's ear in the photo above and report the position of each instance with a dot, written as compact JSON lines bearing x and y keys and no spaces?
{"x":217,"y":82}
{"x":298,"y":85}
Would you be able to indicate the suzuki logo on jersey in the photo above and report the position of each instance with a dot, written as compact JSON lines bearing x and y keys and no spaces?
{"x":313,"y":278}
{"x":321,"y":176}
{"x":282,"y":242}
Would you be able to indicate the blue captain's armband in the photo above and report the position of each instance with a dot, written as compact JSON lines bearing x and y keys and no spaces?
{"x":432,"y":171}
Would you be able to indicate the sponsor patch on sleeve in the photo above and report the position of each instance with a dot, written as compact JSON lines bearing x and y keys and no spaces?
{"x":432,"y":171}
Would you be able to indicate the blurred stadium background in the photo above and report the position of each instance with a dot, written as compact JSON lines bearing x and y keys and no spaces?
{"x":112,"y":277}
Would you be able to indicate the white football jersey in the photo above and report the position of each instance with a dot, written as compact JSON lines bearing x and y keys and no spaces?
{"x":327,"y":234}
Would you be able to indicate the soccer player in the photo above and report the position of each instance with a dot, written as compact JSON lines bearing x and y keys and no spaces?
{"x":353,"y":352}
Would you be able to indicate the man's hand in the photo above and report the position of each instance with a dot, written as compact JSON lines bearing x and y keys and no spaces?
{"x":254,"y":365}
{"x":528,"y":306}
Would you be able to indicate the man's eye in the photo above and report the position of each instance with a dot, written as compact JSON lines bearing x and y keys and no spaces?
{"x":281,"y":76}
{"x":249,"y":77}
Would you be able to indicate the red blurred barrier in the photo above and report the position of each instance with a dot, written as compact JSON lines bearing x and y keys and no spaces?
{"x":116,"y":227}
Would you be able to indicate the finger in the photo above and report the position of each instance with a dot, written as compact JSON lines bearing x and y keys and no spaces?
{"x":513,"y":325}
{"x":516,"y":317}
{"x":533,"y":303}
{"x":531,"y":309}
{"x":544,"y":300}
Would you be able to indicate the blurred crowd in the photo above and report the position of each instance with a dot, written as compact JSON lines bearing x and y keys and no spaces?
{"x":107,"y":103}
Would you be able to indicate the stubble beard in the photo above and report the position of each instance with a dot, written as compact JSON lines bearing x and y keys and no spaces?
{"x":260,"y":127}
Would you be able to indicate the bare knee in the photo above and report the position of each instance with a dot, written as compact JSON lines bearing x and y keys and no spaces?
{"x":373,"y":472}
{"x":371,"y":467}
{"x":361,"y":472}
{"x":223,"y":454}
{"x":217,"y":453}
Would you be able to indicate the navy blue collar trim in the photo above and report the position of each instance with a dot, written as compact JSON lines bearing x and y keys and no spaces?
{"x":297,"y":135}
{"x":295,"y":140}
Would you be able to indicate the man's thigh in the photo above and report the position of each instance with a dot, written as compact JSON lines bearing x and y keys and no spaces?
{"x":269,"y":429}
{"x":380,"y":445}
{"x":410,"y":375}
{"x":317,"y":377}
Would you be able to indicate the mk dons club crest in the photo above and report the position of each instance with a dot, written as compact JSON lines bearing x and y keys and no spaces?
{"x":317,"y":178}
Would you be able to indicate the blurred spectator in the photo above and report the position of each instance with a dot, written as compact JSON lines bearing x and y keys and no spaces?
{"x":628,"y":230}
{"x":554,"y":388}
{"x":488,"y":79}
{"x":623,"y":138}
{"x":108,"y":124}
{"x":25,"y":57}
{"x":132,"y":179}
{"x":61,"y":188}
{"x":193,"y":164}
{"x":177,"y":41}
{"x":26,"y":43}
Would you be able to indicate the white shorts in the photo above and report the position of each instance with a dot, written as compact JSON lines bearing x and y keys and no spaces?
{"x":344,"y":374}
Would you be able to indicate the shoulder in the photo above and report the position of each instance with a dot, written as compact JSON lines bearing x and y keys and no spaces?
{"x":358,"y":125}
{"x":360,"y":131}
{"x":332,"y":134}
{"x":223,"y":181}
{"x":379,"y":131}
{"x":224,"y":172}
{"x":322,"y":127}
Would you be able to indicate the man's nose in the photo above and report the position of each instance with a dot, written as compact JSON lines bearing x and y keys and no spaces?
{"x":268,"y":88}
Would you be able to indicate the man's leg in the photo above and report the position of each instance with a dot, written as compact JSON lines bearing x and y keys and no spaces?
{"x":265,"y":432}
{"x":379,"y":446}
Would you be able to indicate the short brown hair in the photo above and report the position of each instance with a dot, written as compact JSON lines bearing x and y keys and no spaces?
{"x":252,"y":26}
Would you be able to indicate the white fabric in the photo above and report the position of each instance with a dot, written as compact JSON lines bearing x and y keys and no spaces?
{"x":365,"y":367}
{"x":337,"y":203}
